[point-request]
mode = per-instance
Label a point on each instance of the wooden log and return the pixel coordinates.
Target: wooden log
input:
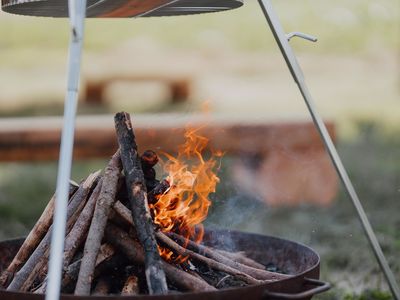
(70, 276)
(123, 212)
(76, 204)
(241, 258)
(105, 253)
(149, 159)
(131, 286)
(238, 273)
(33, 239)
(40, 270)
(160, 189)
(93, 242)
(233, 267)
(102, 287)
(72, 271)
(134, 252)
(186, 281)
(78, 233)
(208, 252)
(137, 193)
(178, 249)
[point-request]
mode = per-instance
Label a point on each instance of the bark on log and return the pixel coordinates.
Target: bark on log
(123, 212)
(93, 242)
(40, 270)
(131, 286)
(75, 237)
(78, 233)
(241, 258)
(208, 252)
(102, 287)
(134, 251)
(216, 260)
(160, 189)
(77, 202)
(149, 159)
(70, 276)
(33, 239)
(72, 271)
(135, 183)
(178, 249)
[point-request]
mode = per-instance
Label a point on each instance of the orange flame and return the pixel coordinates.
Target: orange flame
(192, 179)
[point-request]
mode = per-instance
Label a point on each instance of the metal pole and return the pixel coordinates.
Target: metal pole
(77, 11)
(298, 76)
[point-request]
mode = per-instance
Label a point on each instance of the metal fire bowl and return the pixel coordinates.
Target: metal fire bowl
(119, 8)
(298, 260)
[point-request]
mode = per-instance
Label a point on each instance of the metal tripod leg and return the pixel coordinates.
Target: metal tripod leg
(297, 74)
(77, 11)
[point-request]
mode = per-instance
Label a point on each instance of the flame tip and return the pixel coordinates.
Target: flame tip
(184, 206)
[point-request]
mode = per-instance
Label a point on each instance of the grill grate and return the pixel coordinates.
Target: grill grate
(119, 8)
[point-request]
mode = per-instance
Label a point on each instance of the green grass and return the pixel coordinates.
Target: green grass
(342, 25)
(25, 190)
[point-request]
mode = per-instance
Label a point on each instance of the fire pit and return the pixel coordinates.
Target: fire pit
(129, 233)
(295, 259)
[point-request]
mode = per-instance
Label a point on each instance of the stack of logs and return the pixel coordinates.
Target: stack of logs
(113, 249)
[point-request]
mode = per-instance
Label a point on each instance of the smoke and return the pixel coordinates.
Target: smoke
(232, 207)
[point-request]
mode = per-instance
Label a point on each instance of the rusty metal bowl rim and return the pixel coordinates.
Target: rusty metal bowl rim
(318, 286)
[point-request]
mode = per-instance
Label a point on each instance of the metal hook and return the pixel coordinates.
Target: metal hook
(302, 35)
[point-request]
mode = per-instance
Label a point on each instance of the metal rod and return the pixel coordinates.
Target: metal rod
(298, 76)
(302, 35)
(77, 11)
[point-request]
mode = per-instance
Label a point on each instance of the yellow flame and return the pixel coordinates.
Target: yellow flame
(192, 179)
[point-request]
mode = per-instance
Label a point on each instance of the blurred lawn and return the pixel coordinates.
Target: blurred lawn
(346, 26)
(353, 70)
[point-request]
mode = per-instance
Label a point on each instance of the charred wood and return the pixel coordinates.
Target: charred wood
(137, 192)
(208, 252)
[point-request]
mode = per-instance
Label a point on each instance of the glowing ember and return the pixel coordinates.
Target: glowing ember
(192, 179)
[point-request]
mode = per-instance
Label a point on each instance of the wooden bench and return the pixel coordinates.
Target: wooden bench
(281, 162)
(179, 87)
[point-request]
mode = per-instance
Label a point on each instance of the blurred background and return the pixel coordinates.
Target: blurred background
(229, 65)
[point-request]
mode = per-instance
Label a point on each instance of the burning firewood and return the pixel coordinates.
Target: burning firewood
(218, 257)
(207, 255)
(158, 190)
(240, 257)
(130, 233)
(134, 251)
(138, 198)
